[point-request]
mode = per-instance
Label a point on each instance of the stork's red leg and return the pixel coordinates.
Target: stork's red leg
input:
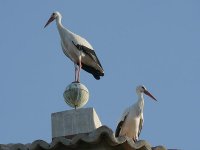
(75, 66)
(79, 70)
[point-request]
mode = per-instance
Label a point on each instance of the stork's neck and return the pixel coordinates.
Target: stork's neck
(62, 30)
(59, 25)
(58, 22)
(140, 99)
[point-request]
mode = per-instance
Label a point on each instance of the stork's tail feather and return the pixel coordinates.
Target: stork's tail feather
(96, 73)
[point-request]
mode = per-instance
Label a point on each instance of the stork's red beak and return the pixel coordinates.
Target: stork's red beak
(50, 20)
(149, 94)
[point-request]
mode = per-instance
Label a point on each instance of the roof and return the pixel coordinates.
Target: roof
(100, 139)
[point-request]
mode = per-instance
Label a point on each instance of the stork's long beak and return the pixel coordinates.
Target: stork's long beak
(50, 20)
(149, 94)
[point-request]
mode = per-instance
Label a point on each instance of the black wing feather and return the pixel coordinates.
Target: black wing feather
(96, 73)
(119, 126)
(118, 129)
(92, 54)
(89, 52)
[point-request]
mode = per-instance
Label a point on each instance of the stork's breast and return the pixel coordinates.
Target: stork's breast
(130, 128)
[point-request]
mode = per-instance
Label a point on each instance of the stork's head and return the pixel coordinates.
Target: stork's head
(54, 15)
(142, 89)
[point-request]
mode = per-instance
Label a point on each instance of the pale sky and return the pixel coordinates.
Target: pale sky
(155, 43)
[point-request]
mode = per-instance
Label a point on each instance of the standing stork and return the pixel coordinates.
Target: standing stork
(78, 50)
(132, 119)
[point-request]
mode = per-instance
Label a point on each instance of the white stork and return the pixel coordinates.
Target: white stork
(78, 50)
(131, 122)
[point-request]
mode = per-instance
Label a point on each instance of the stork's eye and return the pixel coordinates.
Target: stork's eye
(53, 14)
(143, 88)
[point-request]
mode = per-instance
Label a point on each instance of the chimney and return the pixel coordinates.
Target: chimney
(71, 122)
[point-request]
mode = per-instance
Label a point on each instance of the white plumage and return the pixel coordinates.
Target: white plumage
(132, 119)
(78, 49)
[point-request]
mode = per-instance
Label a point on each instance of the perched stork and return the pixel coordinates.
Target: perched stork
(78, 50)
(131, 122)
